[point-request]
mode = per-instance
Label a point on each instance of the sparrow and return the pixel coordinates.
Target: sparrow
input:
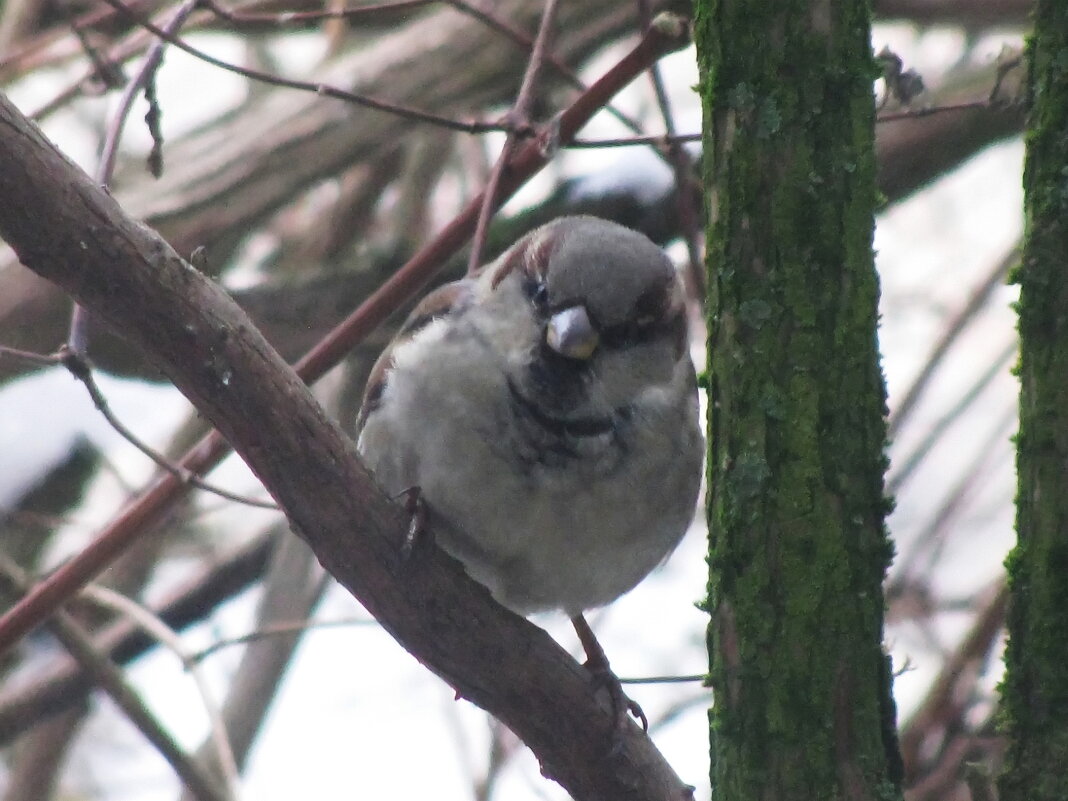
(544, 412)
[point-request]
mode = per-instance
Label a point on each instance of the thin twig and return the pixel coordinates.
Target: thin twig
(277, 630)
(519, 119)
(109, 73)
(80, 369)
(670, 139)
(683, 679)
(667, 34)
(110, 679)
(285, 18)
(88, 19)
(365, 101)
(149, 64)
(29, 356)
(658, 140)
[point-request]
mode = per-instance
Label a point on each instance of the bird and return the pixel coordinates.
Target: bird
(543, 413)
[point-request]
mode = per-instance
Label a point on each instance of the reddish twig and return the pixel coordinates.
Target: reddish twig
(667, 34)
(519, 119)
(63, 685)
(493, 22)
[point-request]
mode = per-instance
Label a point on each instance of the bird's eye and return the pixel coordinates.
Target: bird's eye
(538, 294)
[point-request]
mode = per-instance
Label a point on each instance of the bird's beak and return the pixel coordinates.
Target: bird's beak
(570, 333)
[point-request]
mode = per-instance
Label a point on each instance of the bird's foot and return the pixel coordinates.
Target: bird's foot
(623, 706)
(603, 677)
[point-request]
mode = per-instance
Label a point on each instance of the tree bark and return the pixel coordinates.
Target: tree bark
(1035, 688)
(797, 544)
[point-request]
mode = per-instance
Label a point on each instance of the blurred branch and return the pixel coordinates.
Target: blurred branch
(110, 679)
(284, 19)
(930, 542)
(227, 178)
(903, 468)
(65, 684)
(292, 587)
(223, 764)
(942, 712)
(956, 326)
(33, 766)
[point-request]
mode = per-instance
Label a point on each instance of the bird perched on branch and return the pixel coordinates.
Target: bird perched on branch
(544, 412)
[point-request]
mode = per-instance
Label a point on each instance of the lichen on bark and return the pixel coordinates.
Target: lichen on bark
(798, 548)
(1035, 688)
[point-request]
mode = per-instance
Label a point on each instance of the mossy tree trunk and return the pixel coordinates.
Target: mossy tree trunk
(798, 549)
(1035, 689)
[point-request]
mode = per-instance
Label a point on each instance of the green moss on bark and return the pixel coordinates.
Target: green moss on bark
(1035, 689)
(797, 548)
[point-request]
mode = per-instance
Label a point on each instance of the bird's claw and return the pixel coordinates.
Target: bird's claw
(415, 506)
